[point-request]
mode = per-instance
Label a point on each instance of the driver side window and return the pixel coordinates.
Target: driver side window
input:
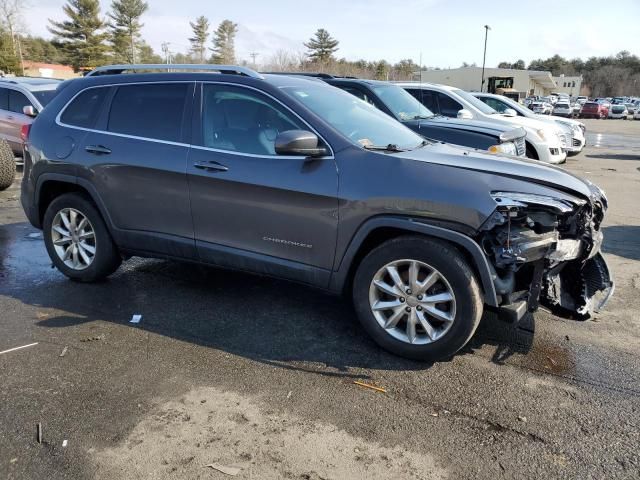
(497, 105)
(241, 120)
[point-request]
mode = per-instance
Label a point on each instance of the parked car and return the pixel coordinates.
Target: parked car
(631, 108)
(289, 177)
(544, 142)
(618, 110)
(582, 99)
(594, 110)
(396, 102)
(542, 108)
(573, 128)
(21, 99)
(563, 109)
(636, 115)
(575, 109)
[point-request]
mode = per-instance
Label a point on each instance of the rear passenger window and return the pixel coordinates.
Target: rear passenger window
(85, 108)
(425, 97)
(4, 99)
(17, 101)
(149, 111)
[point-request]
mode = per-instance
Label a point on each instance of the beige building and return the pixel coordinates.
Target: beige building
(525, 82)
(569, 85)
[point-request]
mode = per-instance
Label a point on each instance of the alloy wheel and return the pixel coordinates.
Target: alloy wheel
(412, 301)
(73, 238)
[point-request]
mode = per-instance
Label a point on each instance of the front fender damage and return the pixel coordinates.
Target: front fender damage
(547, 251)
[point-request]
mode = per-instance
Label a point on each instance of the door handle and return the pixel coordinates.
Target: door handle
(97, 149)
(211, 166)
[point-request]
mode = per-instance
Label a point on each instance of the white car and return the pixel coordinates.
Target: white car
(563, 109)
(636, 116)
(544, 140)
(542, 108)
(618, 111)
(575, 128)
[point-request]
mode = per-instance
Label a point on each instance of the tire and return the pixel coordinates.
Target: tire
(106, 258)
(455, 278)
(7, 165)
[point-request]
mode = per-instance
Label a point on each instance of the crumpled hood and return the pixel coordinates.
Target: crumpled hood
(515, 167)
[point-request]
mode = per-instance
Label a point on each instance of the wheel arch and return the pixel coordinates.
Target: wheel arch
(51, 185)
(380, 229)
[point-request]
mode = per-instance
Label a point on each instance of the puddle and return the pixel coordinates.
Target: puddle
(551, 358)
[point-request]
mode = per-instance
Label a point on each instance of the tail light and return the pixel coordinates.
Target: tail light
(24, 132)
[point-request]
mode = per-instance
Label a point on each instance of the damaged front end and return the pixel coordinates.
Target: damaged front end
(547, 250)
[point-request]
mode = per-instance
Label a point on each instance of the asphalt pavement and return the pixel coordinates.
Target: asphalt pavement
(228, 372)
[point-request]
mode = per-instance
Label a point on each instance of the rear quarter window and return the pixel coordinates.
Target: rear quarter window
(83, 111)
(149, 111)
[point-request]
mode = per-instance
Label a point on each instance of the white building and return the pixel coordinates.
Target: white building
(568, 85)
(525, 82)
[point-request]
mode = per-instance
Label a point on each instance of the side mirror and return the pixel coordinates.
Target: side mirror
(29, 111)
(510, 112)
(465, 114)
(298, 142)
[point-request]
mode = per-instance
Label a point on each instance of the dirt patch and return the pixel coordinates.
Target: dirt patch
(207, 426)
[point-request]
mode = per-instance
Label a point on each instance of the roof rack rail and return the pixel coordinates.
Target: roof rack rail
(7, 80)
(228, 69)
(304, 74)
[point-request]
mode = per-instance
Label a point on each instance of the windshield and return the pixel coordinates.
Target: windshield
(478, 104)
(356, 119)
(44, 96)
(401, 103)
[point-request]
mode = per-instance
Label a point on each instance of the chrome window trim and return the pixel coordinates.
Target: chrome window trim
(180, 144)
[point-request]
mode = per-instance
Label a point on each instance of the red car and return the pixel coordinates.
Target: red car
(594, 110)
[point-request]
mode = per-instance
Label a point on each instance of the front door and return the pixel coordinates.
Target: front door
(253, 209)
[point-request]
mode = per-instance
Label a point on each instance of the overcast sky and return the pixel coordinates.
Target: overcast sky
(446, 32)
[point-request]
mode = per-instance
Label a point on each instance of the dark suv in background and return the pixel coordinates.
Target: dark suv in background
(399, 104)
(293, 178)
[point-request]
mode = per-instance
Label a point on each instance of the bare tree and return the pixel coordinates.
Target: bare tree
(10, 18)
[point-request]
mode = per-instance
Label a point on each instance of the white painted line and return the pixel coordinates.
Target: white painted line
(135, 319)
(18, 348)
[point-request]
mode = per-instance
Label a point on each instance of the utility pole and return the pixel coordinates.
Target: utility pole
(253, 56)
(484, 57)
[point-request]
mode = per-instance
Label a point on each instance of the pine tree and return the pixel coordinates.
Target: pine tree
(322, 46)
(125, 28)
(82, 36)
(224, 43)
(200, 35)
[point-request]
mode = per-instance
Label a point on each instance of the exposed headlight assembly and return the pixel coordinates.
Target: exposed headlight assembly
(516, 199)
(507, 148)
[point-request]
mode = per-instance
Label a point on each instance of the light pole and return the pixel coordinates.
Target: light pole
(484, 57)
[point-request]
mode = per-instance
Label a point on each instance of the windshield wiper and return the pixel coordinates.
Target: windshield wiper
(389, 148)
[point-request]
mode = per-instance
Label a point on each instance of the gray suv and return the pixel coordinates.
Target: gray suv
(293, 178)
(21, 98)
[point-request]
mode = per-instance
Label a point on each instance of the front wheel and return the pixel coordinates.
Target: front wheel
(77, 239)
(7, 165)
(417, 298)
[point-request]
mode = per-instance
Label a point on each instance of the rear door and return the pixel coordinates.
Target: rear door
(5, 128)
(253, 209)
(136, 158)
(13, 118)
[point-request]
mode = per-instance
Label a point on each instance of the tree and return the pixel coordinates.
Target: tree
(147, 55)
(519, 65)
(322, 46)
(10, 13)
(125, 27)
(406, 69)
(8, 60)
(200, 35)
(224, 51)
(82, 35)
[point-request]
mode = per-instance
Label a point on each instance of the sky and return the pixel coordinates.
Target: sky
(445, 32)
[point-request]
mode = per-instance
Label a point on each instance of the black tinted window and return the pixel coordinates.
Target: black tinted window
(84, 110)
(448, 106)
(497, 105)
(425, 97)
(242, 120)
(358, 93)
(44, 96)
(150, 111)
(17, 101)
(4, 99)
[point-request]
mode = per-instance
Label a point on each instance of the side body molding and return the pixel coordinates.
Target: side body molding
(468, 245)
